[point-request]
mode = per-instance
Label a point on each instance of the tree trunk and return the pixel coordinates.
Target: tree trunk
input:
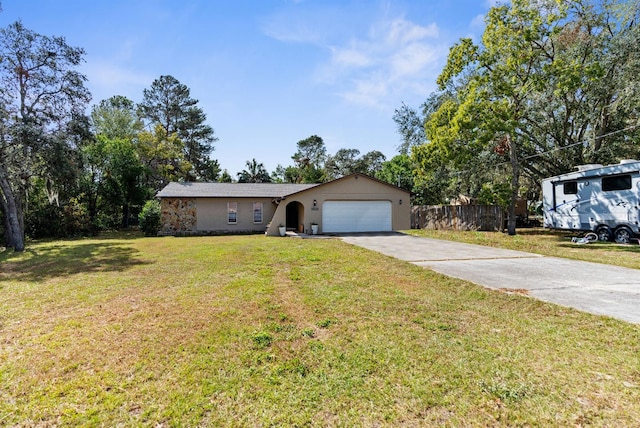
(515, 184)
(125, 216)
(8, 236)
(12, 213)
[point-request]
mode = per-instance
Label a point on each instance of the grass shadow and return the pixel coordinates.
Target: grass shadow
(55, 259)
(121, 234)
(540, 231)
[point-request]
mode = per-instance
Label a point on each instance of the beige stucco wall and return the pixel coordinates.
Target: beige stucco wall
(186, 216)
(350, 188)
(212, 215)
(209, 215)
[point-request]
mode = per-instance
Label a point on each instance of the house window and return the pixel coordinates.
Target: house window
(232, 212)
(616, 182)
(257, 212)
(570, 188)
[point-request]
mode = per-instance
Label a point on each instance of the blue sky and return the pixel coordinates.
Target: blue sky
(267, 73)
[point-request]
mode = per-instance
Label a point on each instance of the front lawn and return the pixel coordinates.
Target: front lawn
(257, 331)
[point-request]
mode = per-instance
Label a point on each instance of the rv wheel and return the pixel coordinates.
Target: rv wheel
(623, 235)
(604, 233)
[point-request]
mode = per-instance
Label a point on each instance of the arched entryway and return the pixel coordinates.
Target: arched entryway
(295, 216)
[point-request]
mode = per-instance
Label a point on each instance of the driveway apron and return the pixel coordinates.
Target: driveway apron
(590, 287)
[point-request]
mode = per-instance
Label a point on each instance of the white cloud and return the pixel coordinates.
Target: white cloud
(106, 74)
(350, 57)
(368, 91)
(106, 79)
(372, 67)
(478, 22)
(400, 31)
(493, 3)
(290, 29)
(381, 66)
(412, 59)
(295, 34)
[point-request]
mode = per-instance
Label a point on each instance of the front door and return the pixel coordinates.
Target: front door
(293, 215)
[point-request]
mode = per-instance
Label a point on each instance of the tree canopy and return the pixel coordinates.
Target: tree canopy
(550, 85)
(168, 103)
(42, 93)
(254, 173)
(546, 88)
(63, 172)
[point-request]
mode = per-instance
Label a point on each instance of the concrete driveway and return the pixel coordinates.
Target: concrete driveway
(591, 287)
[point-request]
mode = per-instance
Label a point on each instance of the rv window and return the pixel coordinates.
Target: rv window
(570, 188)
(617, 182)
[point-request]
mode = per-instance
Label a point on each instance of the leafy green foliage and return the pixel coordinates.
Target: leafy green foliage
(397, 171)
(313, 165)
(168, 104)
(255, 173)
(410, 125)
(541, 92)
(41, 94)
(116, 118)
(325, 323)
(311, 152)
(493, 96)
(342, 162)
(149, 218)
(48, 218)
(461, 55)
(261, 339)
(495, 194)
(309, 161)
(162, 156)
(225, 177)
(114, 177)
(349, 161)
(101, 169)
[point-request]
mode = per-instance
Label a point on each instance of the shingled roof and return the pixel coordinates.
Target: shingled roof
(231, 190)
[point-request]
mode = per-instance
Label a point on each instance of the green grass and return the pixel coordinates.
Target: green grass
(545, 242)
(257, 331)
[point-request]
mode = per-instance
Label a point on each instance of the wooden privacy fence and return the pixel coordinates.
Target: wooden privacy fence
(457, 217)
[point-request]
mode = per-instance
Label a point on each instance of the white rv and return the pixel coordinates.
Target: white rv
(601, 199)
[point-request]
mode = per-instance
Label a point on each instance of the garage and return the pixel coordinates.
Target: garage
(356, 216)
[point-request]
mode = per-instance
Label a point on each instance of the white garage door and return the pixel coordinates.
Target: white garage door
(356, 216)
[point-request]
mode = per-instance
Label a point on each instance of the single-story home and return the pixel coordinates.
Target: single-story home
(353, 203)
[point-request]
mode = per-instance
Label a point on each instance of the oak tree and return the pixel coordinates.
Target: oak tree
(41, 93)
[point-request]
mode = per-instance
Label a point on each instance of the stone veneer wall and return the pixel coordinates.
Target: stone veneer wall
(178, 216)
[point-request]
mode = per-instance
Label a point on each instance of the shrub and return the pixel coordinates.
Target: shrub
(149, 218)
(46, 220)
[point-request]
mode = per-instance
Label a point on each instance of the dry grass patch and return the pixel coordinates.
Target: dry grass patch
(256, 331)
